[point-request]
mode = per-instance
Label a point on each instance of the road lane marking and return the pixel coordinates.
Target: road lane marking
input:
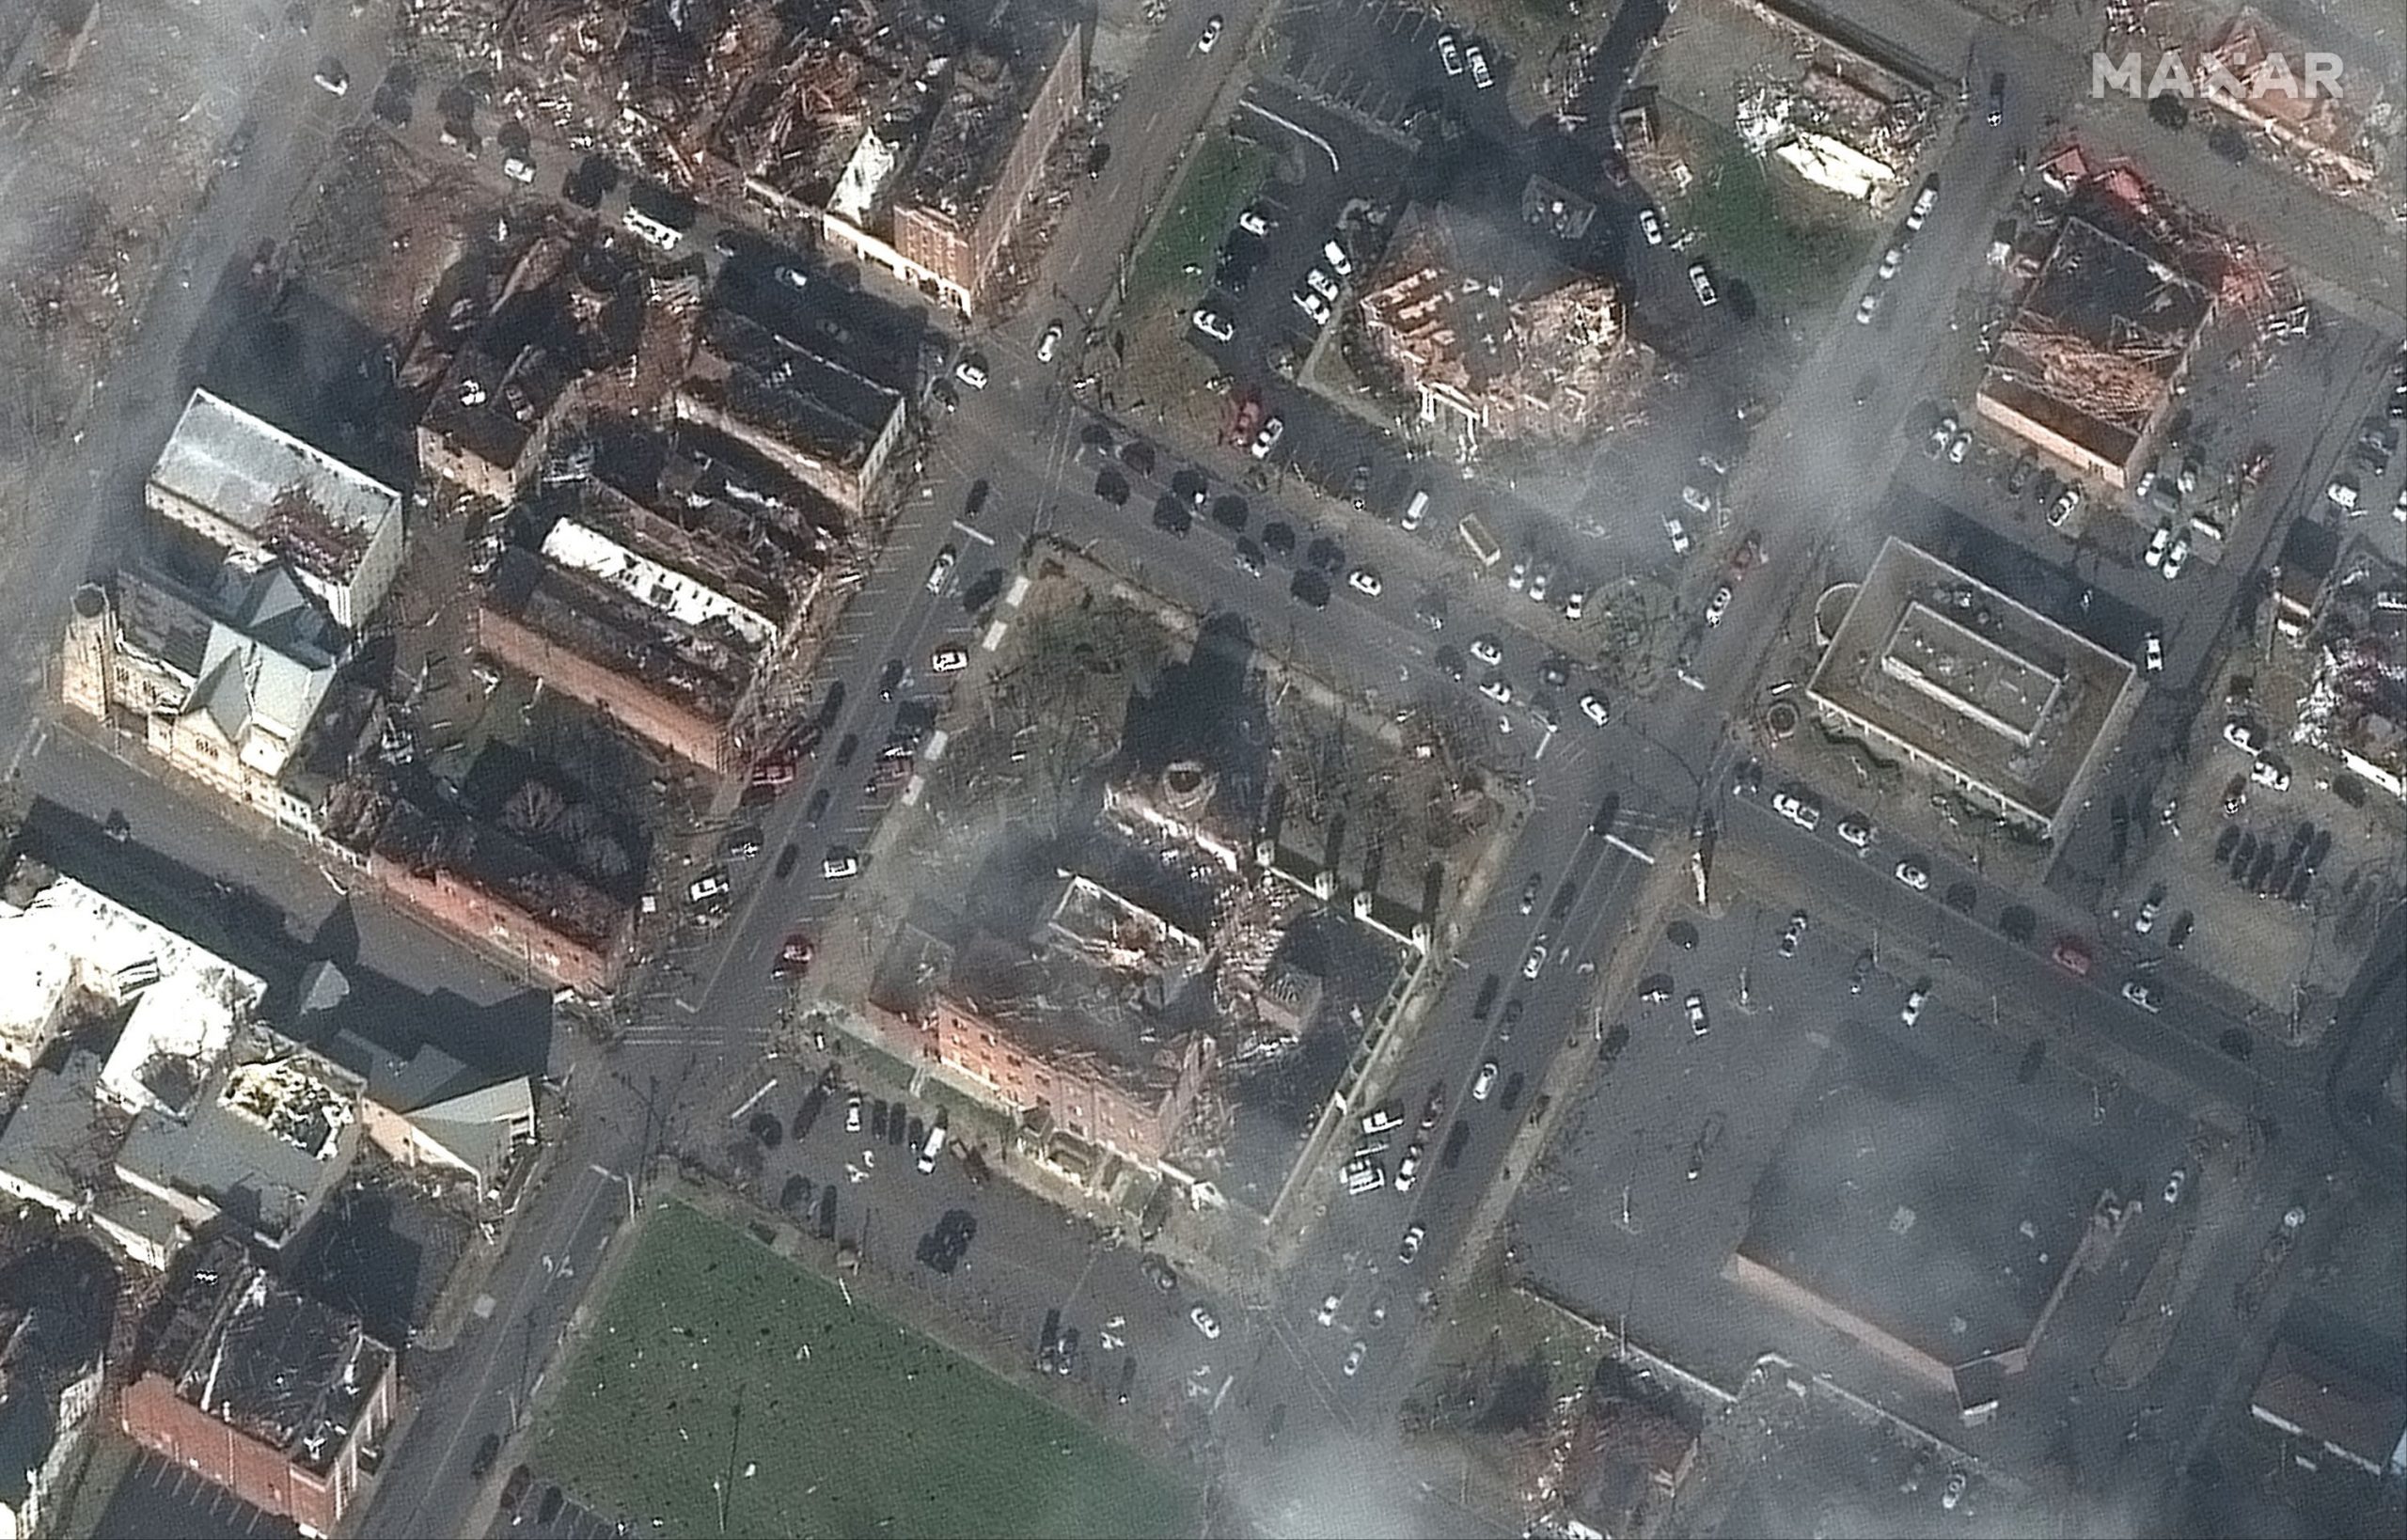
(993, 640)
(936, 742)
(1019, 587)
(911, 789)
(979, 535)
(1628, 849)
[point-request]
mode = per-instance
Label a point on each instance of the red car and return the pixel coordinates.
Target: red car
(2072, 956)
(793, 958)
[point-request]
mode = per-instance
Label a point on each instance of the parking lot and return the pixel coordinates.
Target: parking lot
(1383, 62)
(1597, 1225)
(159, 1499)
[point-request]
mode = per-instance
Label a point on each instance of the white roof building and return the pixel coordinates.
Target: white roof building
(70, 941)
(247, 486)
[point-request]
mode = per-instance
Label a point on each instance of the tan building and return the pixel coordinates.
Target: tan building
(254, 491)
(2258, 74)
(1927, 663)
(223, 686)
(1496, 341)
(984, 156)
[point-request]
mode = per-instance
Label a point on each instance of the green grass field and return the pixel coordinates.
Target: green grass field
(1795, 252)
(1220, 180)
(697, 1372)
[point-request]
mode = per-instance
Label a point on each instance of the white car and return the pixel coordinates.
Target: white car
(1327, 1315)
(1913, 876)
(841, 863)
(1960, 447)
(1793, 934)
(1701, 282)
(1912, 1011)
(1698, 1024)
(1213, 325)
(1211, 35)
(2177, 556)
(1892, 259)
(1486, 649)
(1575, 604)
(1484, 1082)
(1353, 1364)
(1698, 502)
(1650, 225)
(332, 78)
(708, 888)
(948, 660)
(852, 1113)
(1255, 223)
(1267, 439)
(972, 373)
(1478, 62)
(1856, 832)
(1322, 284)
(1592, 705)
(2157, 545)
(1925, 201)
(1803, 812)
(2175, 1184)
(2244, 736)
(2343, 494)
(1364, 581)
(1534, 962)
(1538, 581)
(2271, 773)
(1409, 1248)
(1952, 1493)
(2068, 503)
(518, 169)
(1314, 306)
(1408, 1169)
(2398, 508)
(2153, 652)
(1205, 1322)
(1866, 305)
(1496, 689)
(1518, 576)
(1339, 263)
(2142, 995)
(1450, 54)
(1718, 606)
(941, 569)
(792, 278)
(1678, 532)
(1049, 342)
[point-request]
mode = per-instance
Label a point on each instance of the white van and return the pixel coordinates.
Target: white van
(1414, 511)
(932, 1148)
(652, 230)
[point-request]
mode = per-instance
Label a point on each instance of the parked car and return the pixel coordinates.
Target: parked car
(1701, 282)
(1913, 876)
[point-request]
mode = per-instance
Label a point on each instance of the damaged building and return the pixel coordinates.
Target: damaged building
(55, 1303)
(267, 1393)
(2354, 706)
(248, 488)
(230, 685)
(2256, 71)
(660, 585)
(543, 886)
(817, 384)
(1496, 341)
(1091, 1034)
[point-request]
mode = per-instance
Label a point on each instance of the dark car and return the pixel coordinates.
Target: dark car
(787, 857)
(1450, 662)
(514, 1490)
(1486, 1001)
(488, 1451)
(846, 747)
(889, 679)
(1511, 1095)
(1098, 156)
(813, 810)
(1451, 1155)
(975, 503)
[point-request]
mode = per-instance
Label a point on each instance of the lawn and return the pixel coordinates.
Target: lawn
(1220, 180)
(716, 1362)
(1761, 228)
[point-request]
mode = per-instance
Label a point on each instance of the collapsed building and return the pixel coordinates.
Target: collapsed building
(269, 1393)
(251, 489)
(2258, 74)
(2355, 707)
(1495, 340)
(907, 136)
(2089, 362)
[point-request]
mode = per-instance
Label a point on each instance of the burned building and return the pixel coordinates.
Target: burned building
(491, 416)
(818, 384)
(659, 588)
(1495, 340)
(252, 490)
(259, 1389)
(529, 892)
(982, 158)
